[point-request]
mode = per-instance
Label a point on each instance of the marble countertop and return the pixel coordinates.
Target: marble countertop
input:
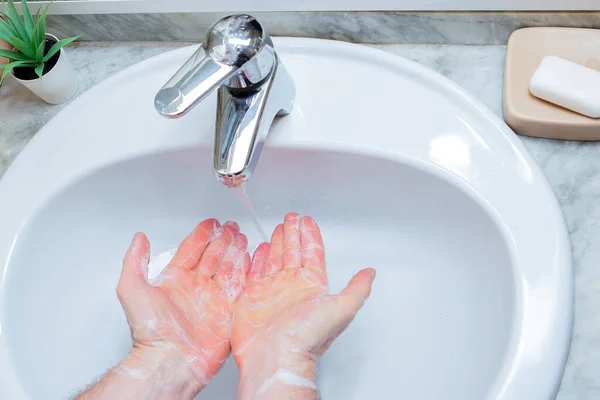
(573, 169)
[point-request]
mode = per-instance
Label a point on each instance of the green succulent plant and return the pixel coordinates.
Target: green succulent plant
(27, 36)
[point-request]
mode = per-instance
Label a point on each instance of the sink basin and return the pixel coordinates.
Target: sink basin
(404, 171)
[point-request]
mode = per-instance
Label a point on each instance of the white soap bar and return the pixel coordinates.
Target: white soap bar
(568, 84)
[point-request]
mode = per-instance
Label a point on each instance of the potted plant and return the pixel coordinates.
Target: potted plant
(36, 59)
(4, 46)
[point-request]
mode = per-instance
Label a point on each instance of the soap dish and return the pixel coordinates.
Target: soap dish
(525, 113)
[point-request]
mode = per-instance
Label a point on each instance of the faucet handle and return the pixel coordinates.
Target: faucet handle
(237, 53)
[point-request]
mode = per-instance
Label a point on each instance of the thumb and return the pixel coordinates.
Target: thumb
(345, 306)
(358, 290)
(135, 266)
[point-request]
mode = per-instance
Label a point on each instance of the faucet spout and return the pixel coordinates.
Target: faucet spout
(243, 124)
(238, 60)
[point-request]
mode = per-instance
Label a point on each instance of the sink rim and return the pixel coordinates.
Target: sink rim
(554, 356)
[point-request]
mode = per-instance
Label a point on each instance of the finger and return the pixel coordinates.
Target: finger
(274, 262)
(239, 278)
(211, 259)
(358, 290)
(292, 256)
(232, 258)
(135, 266)
(340, 312)
(190, 250)
(313, 251)
(259, 262)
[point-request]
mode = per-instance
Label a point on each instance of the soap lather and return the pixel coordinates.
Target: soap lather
(567, 84)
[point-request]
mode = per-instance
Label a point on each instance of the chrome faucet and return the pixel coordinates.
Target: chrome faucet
(238, 60)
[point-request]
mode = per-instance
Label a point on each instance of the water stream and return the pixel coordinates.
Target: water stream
(247, 204)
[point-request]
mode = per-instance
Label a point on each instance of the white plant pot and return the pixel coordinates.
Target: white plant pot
(57, 85)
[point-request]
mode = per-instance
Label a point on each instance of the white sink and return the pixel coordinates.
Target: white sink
(405, 172)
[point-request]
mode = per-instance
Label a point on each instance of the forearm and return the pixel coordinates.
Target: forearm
(286, 379)
(145, 376)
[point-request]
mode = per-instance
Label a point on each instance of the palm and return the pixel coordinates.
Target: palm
(177, 310)
(188, 310)
(273, 304)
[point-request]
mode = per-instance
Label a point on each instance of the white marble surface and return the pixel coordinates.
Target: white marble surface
(358, 27)
(572, 168)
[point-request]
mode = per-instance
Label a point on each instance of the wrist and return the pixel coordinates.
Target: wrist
(284, 376)
(164, 374)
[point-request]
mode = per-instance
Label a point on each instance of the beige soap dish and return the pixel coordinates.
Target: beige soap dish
(527, 114)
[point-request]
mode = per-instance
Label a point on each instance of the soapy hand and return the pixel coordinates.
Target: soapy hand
(186, 314)
(285, 318)
(179, 323)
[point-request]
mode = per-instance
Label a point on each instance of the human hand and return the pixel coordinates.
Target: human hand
(285, 318)
(180, 323)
